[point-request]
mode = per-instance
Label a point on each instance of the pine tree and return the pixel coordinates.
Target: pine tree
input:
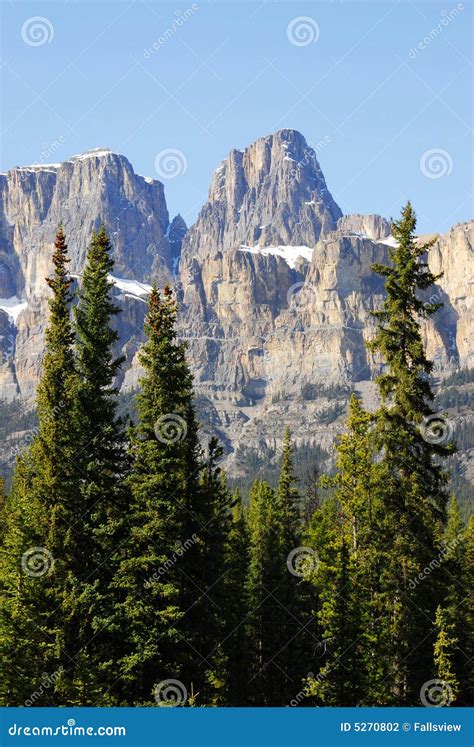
(452, 619)
(41, 565)
(165, 580)
(347, 581)
(103, 460)
(444, 648)
(467, 692)
(277, 626)
(412, 478)
(215, 515)
(235, 643)
(259, 587)
(289, 632)
(340, 681)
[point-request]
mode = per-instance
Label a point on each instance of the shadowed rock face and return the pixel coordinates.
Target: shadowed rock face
(274, 284)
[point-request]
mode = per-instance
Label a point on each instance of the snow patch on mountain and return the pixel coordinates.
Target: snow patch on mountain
(131, 287)
(13, 306)
(289, 253)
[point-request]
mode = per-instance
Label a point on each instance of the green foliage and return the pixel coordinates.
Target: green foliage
(412, 481)
(351, 589)
(167, 614)
(103, 461)
(40, 623)
(453, 646)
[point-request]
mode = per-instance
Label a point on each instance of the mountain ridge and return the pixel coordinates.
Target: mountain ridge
(275, 294)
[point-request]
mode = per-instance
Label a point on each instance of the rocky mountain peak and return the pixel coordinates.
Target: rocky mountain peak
(271, 194)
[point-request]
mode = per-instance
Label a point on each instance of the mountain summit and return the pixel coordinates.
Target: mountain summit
(272, 193)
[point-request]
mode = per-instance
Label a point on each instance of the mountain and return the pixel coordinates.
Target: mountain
(274, 285)
(93, 188)
(273, 193)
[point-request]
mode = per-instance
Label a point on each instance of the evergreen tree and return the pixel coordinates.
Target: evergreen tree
(340, 681)
(103, 461)
(452, 645)
(348, 578)
(165, 580)
(259, 587)
(444, 648)
(467, 692)
(235, 643)
(289, 632)
(412, 478)
(41, 564)
(215, 515)
(277, 624)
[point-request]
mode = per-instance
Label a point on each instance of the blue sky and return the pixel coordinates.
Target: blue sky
(391, 120)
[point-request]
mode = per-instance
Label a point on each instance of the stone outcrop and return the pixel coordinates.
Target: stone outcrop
(87, 190)
(273, 193)
(274, 284)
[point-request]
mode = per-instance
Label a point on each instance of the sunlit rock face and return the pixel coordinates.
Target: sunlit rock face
(274, 284)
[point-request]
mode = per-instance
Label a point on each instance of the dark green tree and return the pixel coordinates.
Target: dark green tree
(235, 643)
(259, 588)
(103, 464)
(215, 516)
(340, 681)
(42, 565)
(347, 580)
(277, 569)
(411, 445)
(452, 659)
(166, 581)
(444, 651)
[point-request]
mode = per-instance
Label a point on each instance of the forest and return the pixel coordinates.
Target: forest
(132, 574)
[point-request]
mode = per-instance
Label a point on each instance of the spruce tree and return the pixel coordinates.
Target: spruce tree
(235, 642)
(452, 657)
(413, 481)
(215, 516)
(467, 692)
(340, 681)
(103, 461)
(277, 626)
(444, 650)
(347, 580)
(41, 563)
(166, 581)
(259, 587)
(289, 634)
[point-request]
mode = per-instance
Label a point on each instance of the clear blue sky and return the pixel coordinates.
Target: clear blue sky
(229, 74)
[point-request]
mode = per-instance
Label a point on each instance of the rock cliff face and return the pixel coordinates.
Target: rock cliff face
(87, 190)
(271, 194)
(274, 284)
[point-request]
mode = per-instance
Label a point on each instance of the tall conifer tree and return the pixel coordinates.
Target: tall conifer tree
(413, 480)
(167, 578)
(103, 462)
(42, 565)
